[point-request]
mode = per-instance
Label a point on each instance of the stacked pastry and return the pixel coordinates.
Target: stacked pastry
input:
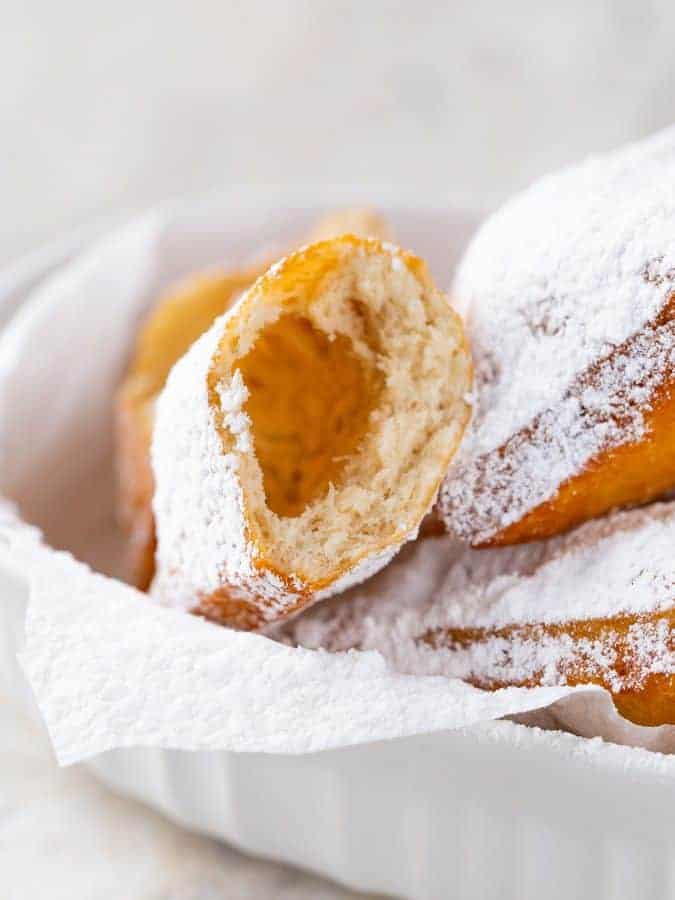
(302, 439)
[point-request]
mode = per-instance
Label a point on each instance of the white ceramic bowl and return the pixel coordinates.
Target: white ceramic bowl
(501, 810)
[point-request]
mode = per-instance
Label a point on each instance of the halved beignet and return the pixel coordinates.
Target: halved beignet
(300, 442)
(178, 319)
(570, 310)
(594, 607)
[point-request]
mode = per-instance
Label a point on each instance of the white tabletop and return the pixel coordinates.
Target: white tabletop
(109, 108)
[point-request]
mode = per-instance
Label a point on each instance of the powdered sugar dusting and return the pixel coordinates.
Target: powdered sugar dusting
(574, 271)
(198, 502)
(616, 567)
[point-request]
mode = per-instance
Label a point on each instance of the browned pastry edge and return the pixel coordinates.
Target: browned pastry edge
(645, 698)
(628, 475)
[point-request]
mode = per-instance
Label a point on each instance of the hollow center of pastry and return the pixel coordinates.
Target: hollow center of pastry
(310, 401)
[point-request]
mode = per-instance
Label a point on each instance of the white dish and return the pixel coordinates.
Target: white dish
(499, 810)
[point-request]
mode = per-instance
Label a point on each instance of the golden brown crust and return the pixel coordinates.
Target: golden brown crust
(133, 429)
(628, 475)
(642, 696)
(240, 611)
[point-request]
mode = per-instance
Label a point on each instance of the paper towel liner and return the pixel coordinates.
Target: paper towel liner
(107, 667)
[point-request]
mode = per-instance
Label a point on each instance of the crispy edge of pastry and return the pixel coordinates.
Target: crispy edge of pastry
(630, 474)
(642, 696)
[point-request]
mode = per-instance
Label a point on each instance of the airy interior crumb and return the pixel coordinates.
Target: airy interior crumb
(351, 408)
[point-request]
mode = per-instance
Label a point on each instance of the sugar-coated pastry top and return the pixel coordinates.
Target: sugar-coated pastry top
(559, 278)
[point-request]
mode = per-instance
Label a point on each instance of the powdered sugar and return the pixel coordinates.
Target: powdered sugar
(619, 566)
(572, 272)
(195, 484)
(232, 399)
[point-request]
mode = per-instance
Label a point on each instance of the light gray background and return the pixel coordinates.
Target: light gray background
(106, 108)
(114, 106)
